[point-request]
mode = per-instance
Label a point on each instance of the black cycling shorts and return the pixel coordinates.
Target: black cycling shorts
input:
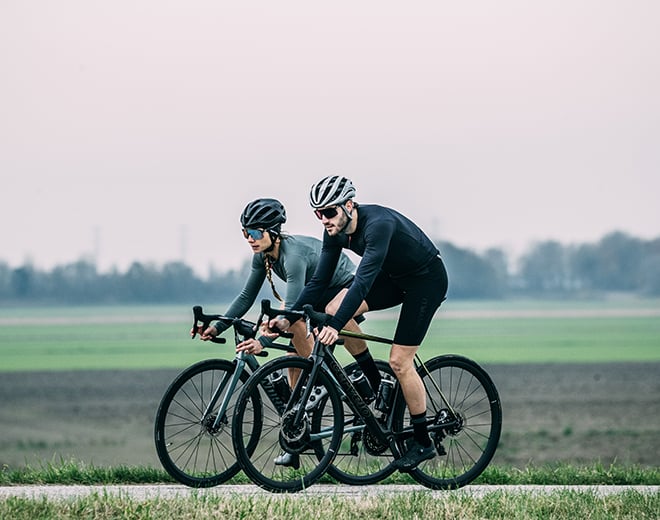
(420, 295)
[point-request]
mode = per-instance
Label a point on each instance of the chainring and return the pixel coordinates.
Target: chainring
(372, 444)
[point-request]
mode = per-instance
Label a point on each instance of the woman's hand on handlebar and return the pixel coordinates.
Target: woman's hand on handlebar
(250, 346)
(205, 335)
(274, 327)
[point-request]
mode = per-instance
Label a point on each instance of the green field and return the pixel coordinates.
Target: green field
(578, 382)
(489, 332)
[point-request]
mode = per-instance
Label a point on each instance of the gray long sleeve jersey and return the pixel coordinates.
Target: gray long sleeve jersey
(298, 258)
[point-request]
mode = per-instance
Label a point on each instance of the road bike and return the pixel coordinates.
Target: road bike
(192, 430)
(327, 421)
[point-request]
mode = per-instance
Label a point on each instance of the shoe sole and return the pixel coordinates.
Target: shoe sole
(409, 468)
(289, 464)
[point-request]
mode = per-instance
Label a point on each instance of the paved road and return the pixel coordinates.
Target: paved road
(141, 492)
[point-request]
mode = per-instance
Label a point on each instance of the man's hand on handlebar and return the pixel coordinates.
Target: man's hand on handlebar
(328, 335)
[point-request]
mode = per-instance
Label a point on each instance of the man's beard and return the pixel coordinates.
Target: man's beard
(341, 226)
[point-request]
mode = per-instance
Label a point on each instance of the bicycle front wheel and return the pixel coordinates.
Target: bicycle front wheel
(465, 442)
(292, 451)
(193, 439)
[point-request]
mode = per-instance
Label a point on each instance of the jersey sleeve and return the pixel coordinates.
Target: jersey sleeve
(245, 299)
(313, 291)
(377, 243)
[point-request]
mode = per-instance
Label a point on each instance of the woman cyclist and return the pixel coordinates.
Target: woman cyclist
(293, 259)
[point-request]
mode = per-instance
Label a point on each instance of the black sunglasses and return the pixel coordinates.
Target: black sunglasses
(326, 212)
(256, 234)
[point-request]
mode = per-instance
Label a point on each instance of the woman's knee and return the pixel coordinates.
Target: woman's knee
(298, 328)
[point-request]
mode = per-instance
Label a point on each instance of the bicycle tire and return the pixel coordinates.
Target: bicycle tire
(190, 449)
(356, 464)
(314, 455)
(471, 444)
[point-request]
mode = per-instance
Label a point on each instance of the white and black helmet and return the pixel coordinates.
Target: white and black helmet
(264, 213)
(333, 190)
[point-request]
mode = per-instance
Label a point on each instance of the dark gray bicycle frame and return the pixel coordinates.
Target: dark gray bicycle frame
(334, 370)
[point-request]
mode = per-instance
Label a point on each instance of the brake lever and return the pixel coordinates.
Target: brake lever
(270, 313)
(281, 333)
(315, 318)
(197, 311)
(205, 319)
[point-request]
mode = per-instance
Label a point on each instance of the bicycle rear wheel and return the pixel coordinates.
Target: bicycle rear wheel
(360, 461)
(313, 441)
(196, 449)
(466, 444)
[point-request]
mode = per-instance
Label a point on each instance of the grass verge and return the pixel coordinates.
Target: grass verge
(73, 472)
(415, 505)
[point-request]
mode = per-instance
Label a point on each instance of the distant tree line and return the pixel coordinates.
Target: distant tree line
(618, 262)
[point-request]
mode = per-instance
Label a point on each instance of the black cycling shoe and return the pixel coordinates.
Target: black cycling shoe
(291, 460)
(416, 453)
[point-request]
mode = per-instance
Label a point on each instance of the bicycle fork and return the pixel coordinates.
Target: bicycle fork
(228, 383)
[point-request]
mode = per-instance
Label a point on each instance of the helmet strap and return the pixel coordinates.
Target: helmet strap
(349, 215)
(274, 235)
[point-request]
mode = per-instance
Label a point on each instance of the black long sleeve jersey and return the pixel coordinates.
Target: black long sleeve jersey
(386, 240)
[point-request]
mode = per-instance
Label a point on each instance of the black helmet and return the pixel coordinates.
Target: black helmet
(263, 213)
(331, 191)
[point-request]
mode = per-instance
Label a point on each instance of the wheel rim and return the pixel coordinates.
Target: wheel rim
(197, 450)
(313, 447)
(464, 443)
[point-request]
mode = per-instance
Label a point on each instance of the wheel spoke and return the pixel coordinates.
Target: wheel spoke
(194, 449)
(465, 430)
(257, 446)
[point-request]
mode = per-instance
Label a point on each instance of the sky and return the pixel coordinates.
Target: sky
(137, 130)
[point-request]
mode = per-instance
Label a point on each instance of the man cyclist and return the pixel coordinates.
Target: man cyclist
(399, 265)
